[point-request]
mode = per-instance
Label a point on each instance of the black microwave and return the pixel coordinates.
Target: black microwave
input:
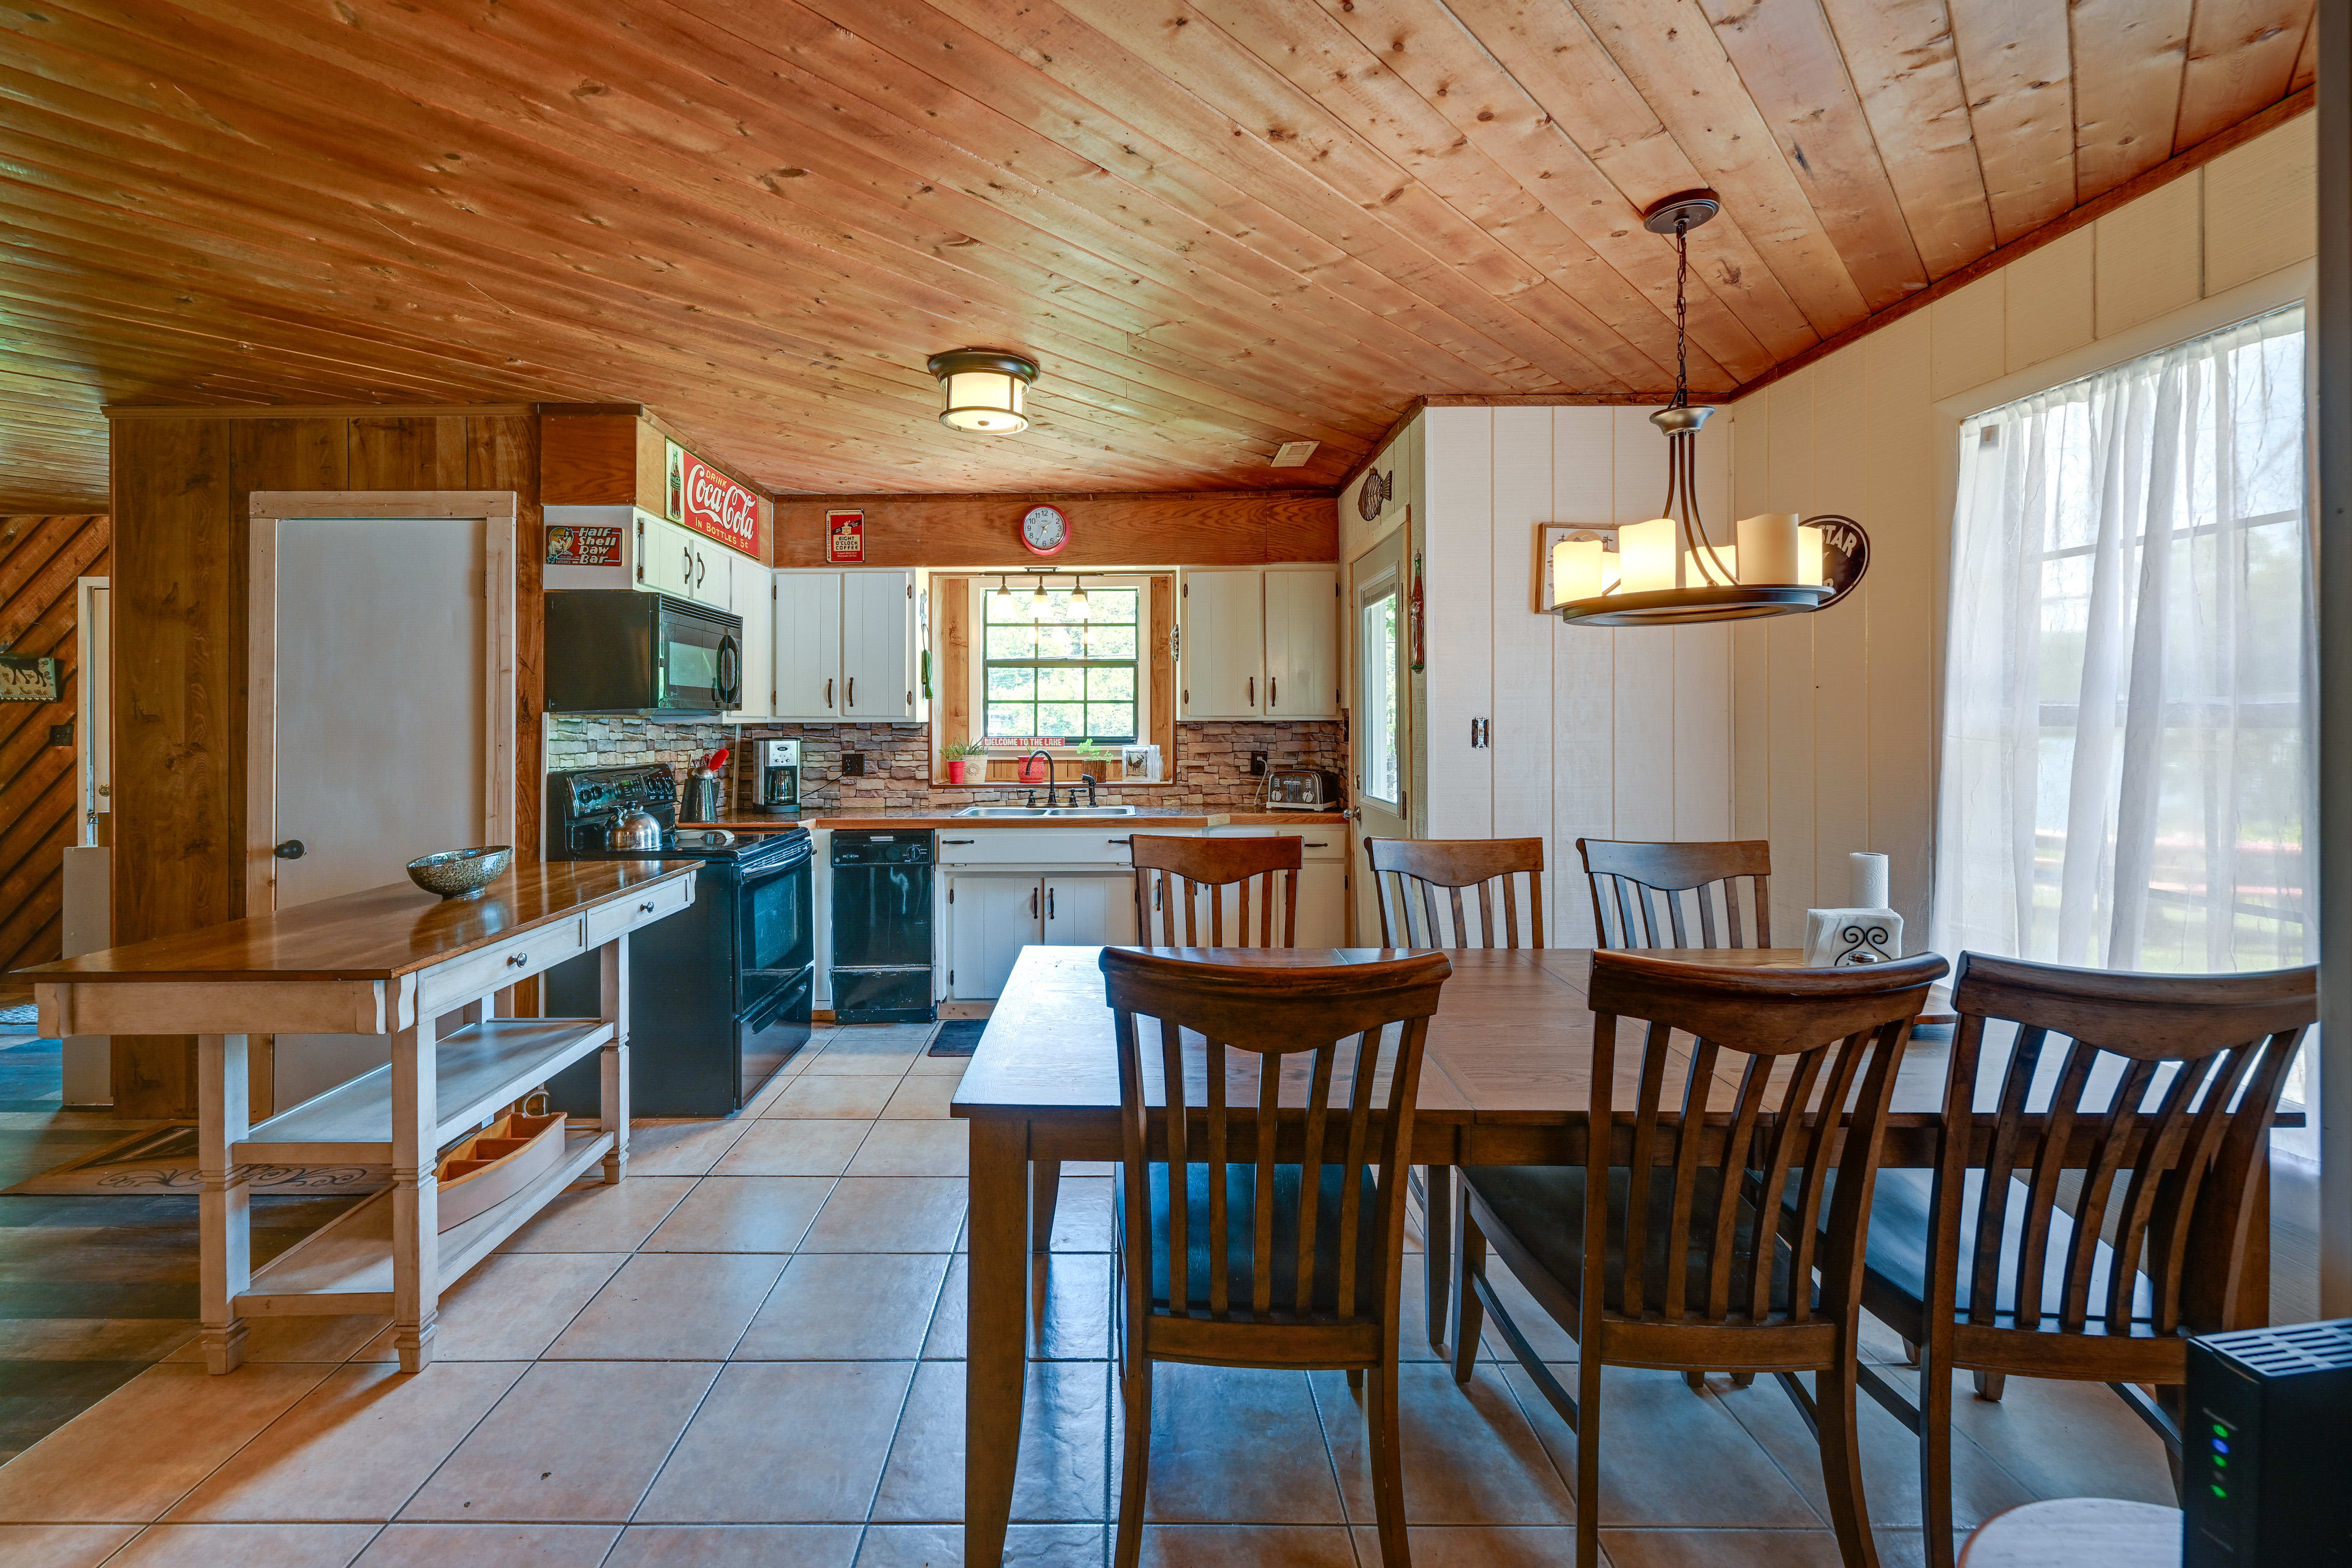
(617, 650)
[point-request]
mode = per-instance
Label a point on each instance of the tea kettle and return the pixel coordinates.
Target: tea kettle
(634, 828)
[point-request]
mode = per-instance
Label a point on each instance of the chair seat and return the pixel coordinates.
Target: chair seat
(1542, 1207)
(1241, 1201)
(1897, 1262)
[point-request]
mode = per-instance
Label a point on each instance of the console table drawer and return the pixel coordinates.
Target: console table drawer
(495, 968)
(643, 908)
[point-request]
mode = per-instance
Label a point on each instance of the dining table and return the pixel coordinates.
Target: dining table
(1505, 1080)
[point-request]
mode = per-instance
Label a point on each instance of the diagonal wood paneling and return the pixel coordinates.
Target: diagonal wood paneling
(1219, 225)
(40, 556)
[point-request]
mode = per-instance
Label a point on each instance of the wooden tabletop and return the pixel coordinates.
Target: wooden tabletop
(2077, 1532)
(377, 934)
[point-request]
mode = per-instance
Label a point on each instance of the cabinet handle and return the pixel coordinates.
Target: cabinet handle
(1128, 842)
(1314, 844)
(1273, 691)
(1049, 903)
(1253, 691)
(828, 693)
(1033, 904)
(958, 841)
(685, 554)
(849, 693)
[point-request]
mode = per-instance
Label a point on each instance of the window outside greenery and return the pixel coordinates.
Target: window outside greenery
(1059, 678)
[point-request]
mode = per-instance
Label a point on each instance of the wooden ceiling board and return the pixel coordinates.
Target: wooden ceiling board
(1219, 225)
(2306, 59)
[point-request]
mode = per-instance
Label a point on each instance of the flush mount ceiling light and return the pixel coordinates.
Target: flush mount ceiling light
(1668, 571)
(982, 390)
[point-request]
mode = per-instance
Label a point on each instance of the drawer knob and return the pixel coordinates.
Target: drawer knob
(646, 908)
(517, 960)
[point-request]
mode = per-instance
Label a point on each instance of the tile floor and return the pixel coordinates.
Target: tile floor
(750, 1354)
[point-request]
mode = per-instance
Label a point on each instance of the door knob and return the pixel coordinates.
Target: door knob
(290, 850)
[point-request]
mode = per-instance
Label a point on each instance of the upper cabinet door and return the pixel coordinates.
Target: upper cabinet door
(879, 658)
(714, 574)
(754, 601)
(808, 647)
(665, 557)
(1302, 642)
(1223, 643)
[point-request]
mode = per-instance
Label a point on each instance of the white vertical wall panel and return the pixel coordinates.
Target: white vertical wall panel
(2261, 205)
(1520, 639)
(1789, 477)
(1907, 533)
(1969, 329)
(1643, 730)
(2049, 301)
(1749, 424)
(1703, 671)
(2149, 256)
(1583, 678)
(1842, 667)
(1458, 596)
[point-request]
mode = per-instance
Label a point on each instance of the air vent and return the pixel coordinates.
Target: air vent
(1294, 454)
(2298, 1347)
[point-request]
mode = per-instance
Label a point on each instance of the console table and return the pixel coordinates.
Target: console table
(437, 977)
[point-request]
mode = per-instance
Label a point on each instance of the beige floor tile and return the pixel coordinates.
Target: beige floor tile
(61, 1545)
(847, 1306)
(946, 1339)
(322, 1339)
(779, 1148)
(1890, 1458)
(941, 1546)
(810, 1096)
(1063, 1433)
(512, 1305)
(246, 1546)
(870, 1049)
(1538, 1326)
(1083, 1221)
(92, 1339)
(862, 1063)
(1233, 1445)
(890, 1214)
(929, 1066)
(1720, 1548)
(598, 1218)
(1470, 1457)
(784, 1443)
(1248, 1546)
(682, 1148)
(571, 1443)
(1077, 1318)
(735, 1546)
(355, 1447)
(2063, 1440)
(490, 1546)
(680, 1306)
(1655, 1434)
(920, 1097)
(137, 1451)
(913, 1149)
(742, 1213)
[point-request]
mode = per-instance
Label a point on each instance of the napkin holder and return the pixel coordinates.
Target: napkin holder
(1841, 939)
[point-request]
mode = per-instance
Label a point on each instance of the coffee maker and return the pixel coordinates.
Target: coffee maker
(776, 786)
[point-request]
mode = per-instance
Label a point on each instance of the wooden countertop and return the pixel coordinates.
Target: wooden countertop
(377, 934)
(757, 822)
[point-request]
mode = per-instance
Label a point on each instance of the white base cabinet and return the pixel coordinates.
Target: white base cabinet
(992, 915)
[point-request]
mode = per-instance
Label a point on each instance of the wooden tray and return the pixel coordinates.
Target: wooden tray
(497, 1163)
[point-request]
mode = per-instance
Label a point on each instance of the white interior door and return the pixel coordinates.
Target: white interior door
(1379, 699)
(380, 722)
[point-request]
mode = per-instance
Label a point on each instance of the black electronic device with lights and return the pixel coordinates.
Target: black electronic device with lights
(2266, 1448)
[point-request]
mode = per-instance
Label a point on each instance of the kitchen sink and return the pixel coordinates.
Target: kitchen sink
(1047, 811)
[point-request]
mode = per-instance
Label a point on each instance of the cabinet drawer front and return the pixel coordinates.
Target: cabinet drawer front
(1324, 841)
(494, 968)
(608, 920)
(1105, 845)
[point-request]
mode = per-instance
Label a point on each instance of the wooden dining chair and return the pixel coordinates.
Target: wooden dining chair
(1658, 895)
(1265, 1117)
(2156, 1089)
(1409, 873)
(1173, 873)
(1668, 1246)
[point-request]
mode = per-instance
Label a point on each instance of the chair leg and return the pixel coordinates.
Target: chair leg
(1588, 1458)
(1911, 1351)
(1696, 1380)
(1469, 1312)
(1834, 1412)
(1437, 1207)
(1742, 1379)
(1383, 1424)
(1355, 1379)
(1936, 1457)
(1135, 1463)
(1992, 1385)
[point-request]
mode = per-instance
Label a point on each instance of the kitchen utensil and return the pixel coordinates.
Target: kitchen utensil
(1301, 789)
(703, 797)
(460, 873)
(635, 828)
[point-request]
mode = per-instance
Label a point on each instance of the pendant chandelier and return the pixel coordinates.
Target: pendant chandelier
(1669, 573)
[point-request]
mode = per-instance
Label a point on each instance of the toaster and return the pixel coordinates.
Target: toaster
(1301, 789)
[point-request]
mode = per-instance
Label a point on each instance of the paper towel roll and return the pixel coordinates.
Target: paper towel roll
(1869, 879)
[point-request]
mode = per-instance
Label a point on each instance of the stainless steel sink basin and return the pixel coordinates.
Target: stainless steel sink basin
(1047, 811)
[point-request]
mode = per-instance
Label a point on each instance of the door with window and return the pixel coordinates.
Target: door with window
(1380, 729)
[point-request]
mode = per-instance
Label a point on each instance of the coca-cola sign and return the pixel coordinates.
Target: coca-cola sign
(710, 503)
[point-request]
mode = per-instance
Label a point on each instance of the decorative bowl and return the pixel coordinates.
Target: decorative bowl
(460, 873)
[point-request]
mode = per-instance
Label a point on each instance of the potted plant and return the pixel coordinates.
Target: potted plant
(957, 753)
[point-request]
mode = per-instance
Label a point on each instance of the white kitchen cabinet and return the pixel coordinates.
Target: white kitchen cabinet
(1323, 903)
(1089, 912)
(1222, 642)
(755, 602)
(807, 646)
(991, 918)
(1302, 642)
(883, 644)
(655, 556)
(665, 557)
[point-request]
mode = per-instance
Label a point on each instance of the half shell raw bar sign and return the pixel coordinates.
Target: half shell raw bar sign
(25, 678)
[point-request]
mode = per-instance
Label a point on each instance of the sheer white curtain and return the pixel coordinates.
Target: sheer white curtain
(2128, 722)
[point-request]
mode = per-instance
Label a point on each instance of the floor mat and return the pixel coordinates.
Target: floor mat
(958, 1037)
(160, 1160)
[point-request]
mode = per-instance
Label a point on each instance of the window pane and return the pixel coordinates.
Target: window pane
(1060, 718)
(1066, 683)
(1113, 604)
(1378, 637)
(1110, 683)
(1110, 642)
(1060, 642)
(1111, 721)
(1012, 642)
(1003, 685)
(1011, 719)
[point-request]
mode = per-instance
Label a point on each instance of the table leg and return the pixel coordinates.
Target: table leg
(613, 1101)
(1044, 1191)
(415, 1207)
(225, 1229)
(997, 1348)
(1437, 1247)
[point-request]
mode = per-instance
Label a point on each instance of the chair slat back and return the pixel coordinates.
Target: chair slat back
(2161, 1088)
(1174, 875)
(1297, 1032)
(1664, 895)
(1798, 1049)
(1409, 875)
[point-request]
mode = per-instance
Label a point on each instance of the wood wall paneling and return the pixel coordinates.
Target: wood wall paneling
(1206, 529)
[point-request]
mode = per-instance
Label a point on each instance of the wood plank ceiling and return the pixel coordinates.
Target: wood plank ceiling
(1219, 225)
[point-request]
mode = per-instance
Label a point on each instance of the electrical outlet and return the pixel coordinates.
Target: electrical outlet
(853, 764)
(1257, 765)
(61, 734)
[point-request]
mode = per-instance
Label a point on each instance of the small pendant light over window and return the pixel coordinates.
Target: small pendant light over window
(1039, 602)
(1004, 596)
(983, 390)
(1078, 611)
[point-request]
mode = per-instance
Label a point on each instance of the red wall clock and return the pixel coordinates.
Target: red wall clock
(1045, 531)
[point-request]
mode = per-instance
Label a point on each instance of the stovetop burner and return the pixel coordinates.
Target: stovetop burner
(583, 804)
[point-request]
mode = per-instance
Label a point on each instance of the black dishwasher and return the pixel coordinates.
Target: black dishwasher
(882, 927)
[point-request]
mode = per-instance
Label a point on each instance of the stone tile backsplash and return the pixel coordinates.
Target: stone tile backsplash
(1211, 769)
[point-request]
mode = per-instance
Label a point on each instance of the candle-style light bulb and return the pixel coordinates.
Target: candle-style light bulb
(1646, 555)
(1575, 570)
(1079, 610)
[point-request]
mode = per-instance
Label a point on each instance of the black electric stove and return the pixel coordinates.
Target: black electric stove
(720, 992)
